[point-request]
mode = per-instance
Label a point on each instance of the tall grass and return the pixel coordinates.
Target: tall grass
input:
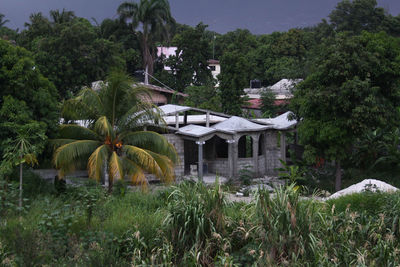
(192, 224)
(196, 222)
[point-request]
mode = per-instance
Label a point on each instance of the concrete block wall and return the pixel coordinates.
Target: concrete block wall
(219, 166)
(261, 165)
(273, 162)
(178, 143)
(272, 153)
(243, 162)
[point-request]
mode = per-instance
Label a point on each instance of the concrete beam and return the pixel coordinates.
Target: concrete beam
(230, 157)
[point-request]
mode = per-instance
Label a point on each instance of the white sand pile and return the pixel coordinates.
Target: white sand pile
(366, 185)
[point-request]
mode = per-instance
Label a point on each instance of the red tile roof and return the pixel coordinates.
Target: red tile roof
(213, 61)
(256, 103)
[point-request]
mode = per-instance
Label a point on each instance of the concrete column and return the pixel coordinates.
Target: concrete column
(266, 152)
(185, 118)
(208, 119)
(200, 160)
(230, 158)
(283, 146)
(235, 154)
(177, 120)
(255, 155)
(146, 75)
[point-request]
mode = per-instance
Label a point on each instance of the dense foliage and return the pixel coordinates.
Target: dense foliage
(69, 51)
(347, 95)
(27, 99)
(347, 104)
(192, 224)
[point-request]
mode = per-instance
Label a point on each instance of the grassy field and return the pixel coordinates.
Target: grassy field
(194, 225)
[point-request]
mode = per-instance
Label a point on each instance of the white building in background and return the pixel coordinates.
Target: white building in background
(166, 52)
(215, 68)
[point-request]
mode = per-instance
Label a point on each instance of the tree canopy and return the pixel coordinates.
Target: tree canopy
(25, 94)
(354, 87)
(68, 50)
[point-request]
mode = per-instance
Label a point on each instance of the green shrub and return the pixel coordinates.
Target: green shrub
(370, 203)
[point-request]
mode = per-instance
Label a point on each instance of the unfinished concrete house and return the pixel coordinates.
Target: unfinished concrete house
(213, 143)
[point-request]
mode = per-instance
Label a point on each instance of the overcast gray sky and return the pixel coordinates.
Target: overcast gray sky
(259, 16)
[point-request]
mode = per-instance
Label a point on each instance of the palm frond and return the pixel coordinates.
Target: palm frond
(87, 105)
(68, 156)
(143, 159)
(56, 143)
(151, 141)
(103, 127)
(140, 114)
(96, 162)
(116, 95)
(115, 167)
(73, 131)
(135, 172)
(166, 165)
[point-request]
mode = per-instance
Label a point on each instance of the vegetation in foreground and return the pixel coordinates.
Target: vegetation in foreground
(191, 224)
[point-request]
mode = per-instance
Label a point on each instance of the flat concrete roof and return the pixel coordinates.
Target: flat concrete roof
(222, 122)
(238, 124)
(196, 119)
(195, 130)
(170, 109)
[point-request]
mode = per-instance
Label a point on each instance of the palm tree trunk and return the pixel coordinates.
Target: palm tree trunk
(338, 181)
(106, 177)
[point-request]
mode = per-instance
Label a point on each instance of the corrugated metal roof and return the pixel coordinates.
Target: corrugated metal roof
(195, 130)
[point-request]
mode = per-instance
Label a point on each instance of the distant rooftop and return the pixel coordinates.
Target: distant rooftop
(213, 61)
(97, 86)
(282, 88)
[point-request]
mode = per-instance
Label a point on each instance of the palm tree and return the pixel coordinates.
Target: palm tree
(60, 17)
(113, 144)
(2, 20)
(153, 18)
(24, 147)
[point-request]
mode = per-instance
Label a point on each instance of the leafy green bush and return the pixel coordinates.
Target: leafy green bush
(370, 203)
(8, 198)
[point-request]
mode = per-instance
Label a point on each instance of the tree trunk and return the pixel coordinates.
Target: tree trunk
(20, 185)
(338, 182)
